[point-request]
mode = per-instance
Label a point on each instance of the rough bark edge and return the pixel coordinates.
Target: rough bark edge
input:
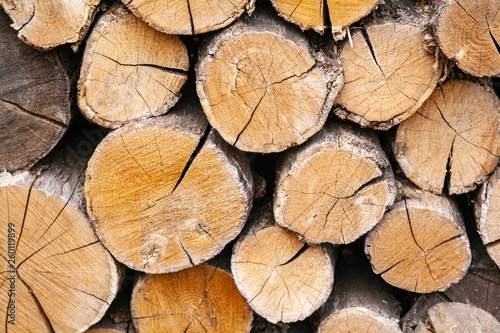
(116, 12)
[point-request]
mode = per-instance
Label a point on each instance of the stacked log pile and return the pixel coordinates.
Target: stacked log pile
(242, 166)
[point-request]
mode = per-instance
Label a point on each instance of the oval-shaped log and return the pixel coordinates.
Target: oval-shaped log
(47, 24)
(198, 299)
(55, 274)
(420, 245)
(389, 72)
(487, 211)
(188, 17)
(360, 301)
(453, 135)
(130, 71)
(467, 32)
(35, 108)
(282, 278)
(262, 87)
(335, 187)
(311, 14)
(458, 317)
(167, 193)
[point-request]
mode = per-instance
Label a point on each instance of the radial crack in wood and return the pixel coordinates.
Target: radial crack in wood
(456, 132)
(162, 198)
(261, 86)
(199, 299)
(130, 71)
(413, 254)
(388, 75)
(187, 17)
(46, 24)
(335, 187)
(468, 32)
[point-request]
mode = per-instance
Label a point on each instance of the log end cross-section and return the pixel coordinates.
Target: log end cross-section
(130, 70)
(335, 187)
(47, 24)
(262, 88)
(166, 194)
(452, 141)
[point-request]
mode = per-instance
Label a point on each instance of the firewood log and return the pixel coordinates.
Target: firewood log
(46, 24)
(458, 317)
(55, 275)
(202, 298)
(452, 142)
(130, 71)
(312, 14)
(282, 278)
(35, 107)
(420, 245)
(488, 215)
(360, 301)
(263, 87)
(467, 32)
(391, 67)
(189, 17)
(335, 187)
(167, 193)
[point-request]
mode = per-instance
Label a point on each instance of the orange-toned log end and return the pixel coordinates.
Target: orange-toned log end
(47, 24)
(335, 187)
(181, 17)
(420, 245)
(264, 90)
(453, 136)
(281, 277)
(487, 211)
(344, 13)
(130, 71)
(388, 75)
(164, 194)
(199, 299)
(467, 32)
(55, 275)
(105, 330)
(458, 317)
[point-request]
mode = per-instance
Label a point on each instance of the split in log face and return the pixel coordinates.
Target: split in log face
(46, 24)
(388, 74)
(129, 70)
(455, 132)
(53, 269)
(34, 101)
(311, 14)
(467, 32)
(163, 196)
(281, 277)
(263, 91)
(197, 299)
(431, 250)
(187, 17)
(336, 187)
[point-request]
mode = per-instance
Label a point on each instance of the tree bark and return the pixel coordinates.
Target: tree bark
(47, 24)
(335, 187)
(263, 87)
(202, 298)
(420, 245)
(168, 193)
(391, 66)
(460, 145)
(467, 33)
(35, 107)
(188, 17)
(360, 301)
(130, 71)
(55, 273)
(282, 278)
